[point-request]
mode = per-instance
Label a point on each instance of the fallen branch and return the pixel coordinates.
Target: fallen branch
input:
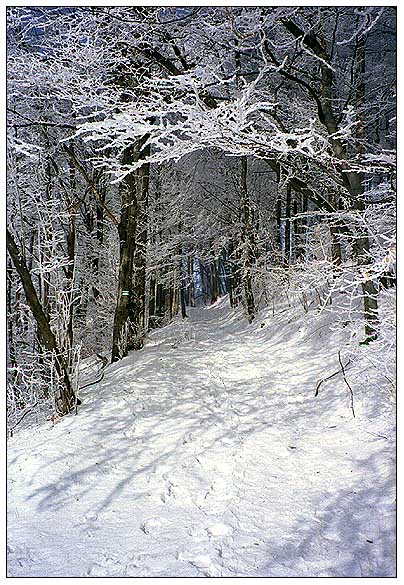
(332, 375)
(104, 364)
(347, 383)
(95, 381)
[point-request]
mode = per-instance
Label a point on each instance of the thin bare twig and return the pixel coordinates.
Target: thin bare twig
(332, 375)
(101, 371)
(347, 383)
(29, 409)
(91, 185)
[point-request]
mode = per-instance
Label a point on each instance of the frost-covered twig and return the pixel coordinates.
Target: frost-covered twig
(28, 410)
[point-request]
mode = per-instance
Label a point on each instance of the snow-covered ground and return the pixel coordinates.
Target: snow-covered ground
(207, 454)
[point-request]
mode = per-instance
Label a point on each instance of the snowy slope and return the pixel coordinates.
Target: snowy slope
(207, 454)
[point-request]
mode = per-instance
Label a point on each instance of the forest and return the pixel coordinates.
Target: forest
(164, 163)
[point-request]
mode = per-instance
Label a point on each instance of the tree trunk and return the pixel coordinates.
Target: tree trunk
(351, 180)
(205, 289)
(234, 275)
(288, 242)
(183, 282)
(128, 329)
(183, 306)
(301, 229)
(361, 250)
(139, 263)
(10, 324)
(279, 221)
(100, 238)
(152, 304)
(222, 276)
(46, 337)
(336, 252)
(71, 248)
(127, 235)
(362, 243)
(247, 242)
(214, 285)
(191, 285)
(160, 302)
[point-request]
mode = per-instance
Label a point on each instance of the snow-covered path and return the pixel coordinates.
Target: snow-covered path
(207, 454)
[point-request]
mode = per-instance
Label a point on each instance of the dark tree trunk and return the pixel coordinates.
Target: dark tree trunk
(183, 284)
(278, 213)
(100, 239)
(161, 297)
(336, 252)
(160, 301)
(362, 243)
(127, 241)
(182, 276)
(175, 297)
(10, 323)
(71, 249)
(279, 221)
(288, 224)
(128, 329)
(204, 282)
(369, 289)
(226, 273)
(214, 284)
(301, 229)
(351, 180)
(183, 305)
(247, 242)
(191, 285)
(152, 303)
(139, 261)
(46, 337)
(171, 300)
(222, 276)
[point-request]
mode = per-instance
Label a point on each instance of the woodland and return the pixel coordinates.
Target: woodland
(160, 158)
(201, 291)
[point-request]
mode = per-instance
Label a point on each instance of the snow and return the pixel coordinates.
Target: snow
(207, 454)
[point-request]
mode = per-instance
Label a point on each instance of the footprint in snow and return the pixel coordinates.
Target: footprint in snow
(219, 530)
(228, 441)
(109, 567)
(188, 438)
(198, 534)
(134, 570)
(19, 556)
(153, 525)
(96, 571)
(202, 562)
(168, 493)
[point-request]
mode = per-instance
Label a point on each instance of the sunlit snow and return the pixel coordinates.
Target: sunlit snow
(207, 454)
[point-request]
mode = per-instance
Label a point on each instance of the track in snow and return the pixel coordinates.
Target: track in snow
(206, 454)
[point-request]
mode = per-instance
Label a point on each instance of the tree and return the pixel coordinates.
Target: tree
(161, 157)
(46, 337)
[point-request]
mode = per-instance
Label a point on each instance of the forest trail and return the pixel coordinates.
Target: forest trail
(207, 454)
